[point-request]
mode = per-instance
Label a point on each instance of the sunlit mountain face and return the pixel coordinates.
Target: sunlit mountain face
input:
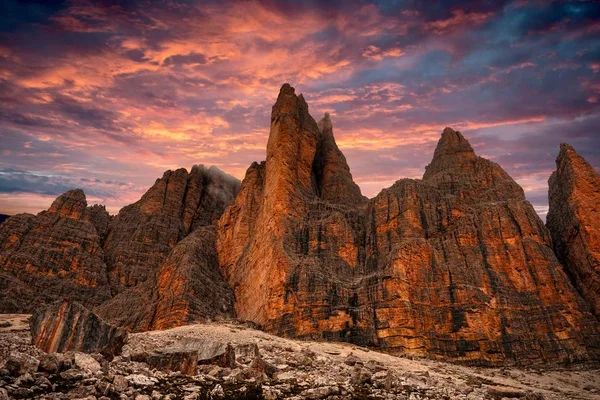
(106, 95)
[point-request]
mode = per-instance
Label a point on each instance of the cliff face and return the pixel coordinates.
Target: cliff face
(161, 253)
(158, 255)
(455, 266)
(466, 269)
(52, 255)
(290, 242)
(144, 233)
(574, 221)
(188, 287)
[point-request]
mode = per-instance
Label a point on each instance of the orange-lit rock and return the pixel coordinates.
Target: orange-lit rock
(69, 326)
(574, 221)
(143, 234)
(50, 256)
(466, 269)
(455, 266)
(290, 243)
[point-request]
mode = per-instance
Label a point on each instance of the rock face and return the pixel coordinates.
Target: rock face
(156, 259)
(52, 255)
(574, 222)
(188, 287)
(290, 243)
(144, 233)
(69, 326)
(466, 269)
(455, 266)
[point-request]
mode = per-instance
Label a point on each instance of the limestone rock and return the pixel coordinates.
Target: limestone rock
(19, 364)
(52, 255)
(466, 269)
(100, 218)
(143, 234)
(187, 287)
(184, 361)
(455, 266)
(332, 174)
(574, 222)
(290, 242)
(68, 326)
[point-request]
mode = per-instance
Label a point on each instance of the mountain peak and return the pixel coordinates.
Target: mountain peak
(70, 204)
(573, 215)
(452, 142)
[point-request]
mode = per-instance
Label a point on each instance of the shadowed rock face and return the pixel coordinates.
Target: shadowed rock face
(69, 326)
(188, 287)
(455, 266)
(574, 221)
(144, 233)
(52, 255)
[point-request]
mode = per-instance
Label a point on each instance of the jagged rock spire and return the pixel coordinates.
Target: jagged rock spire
(452, 143)
(574, 221)
(333, 178)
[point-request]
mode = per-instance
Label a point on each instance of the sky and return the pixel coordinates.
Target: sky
(107, 95)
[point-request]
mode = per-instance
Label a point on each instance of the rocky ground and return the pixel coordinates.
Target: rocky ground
(265, 367)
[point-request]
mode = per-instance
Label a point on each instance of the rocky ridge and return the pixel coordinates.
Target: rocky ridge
(573, 220)
(454, 266)
(263, 367)
(143, 234)
(82, 253)
(52, 255)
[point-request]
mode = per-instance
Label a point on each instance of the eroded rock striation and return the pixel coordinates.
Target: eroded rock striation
(574, 221)
(52, 255)
(188, 287)
(465, 268)
(143, 234)
(455, 266)
(290, 244)
(69, 326)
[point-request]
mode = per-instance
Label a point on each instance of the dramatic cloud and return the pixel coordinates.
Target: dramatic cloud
(106, 95)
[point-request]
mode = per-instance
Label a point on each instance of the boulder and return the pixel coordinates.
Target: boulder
(69, 326)
(20, 363)
(173, 359)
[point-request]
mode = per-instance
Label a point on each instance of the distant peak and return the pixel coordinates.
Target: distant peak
(569, 156)
(452, 142)
(288, 102)
(565, 149)
(286, 88)
(70, 204)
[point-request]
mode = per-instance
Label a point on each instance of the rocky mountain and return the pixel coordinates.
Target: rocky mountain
(456, 266)
(143, 234)
(574, 221)
(187, 287)
(292, 242)
(463, 268)
(52, 255)
(3, 217)
(155, 259)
